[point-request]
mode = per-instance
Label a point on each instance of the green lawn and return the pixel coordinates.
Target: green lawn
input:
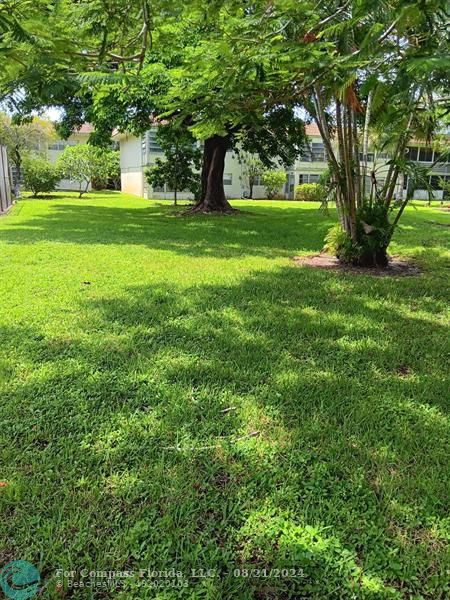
(176, 393)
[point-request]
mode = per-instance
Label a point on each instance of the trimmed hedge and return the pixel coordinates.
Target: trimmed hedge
(310, 192)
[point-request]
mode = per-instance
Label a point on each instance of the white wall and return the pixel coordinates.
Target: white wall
(132, 171)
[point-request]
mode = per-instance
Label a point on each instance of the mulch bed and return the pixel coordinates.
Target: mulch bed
(398, 267)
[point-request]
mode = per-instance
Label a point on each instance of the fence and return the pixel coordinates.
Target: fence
(5, 183)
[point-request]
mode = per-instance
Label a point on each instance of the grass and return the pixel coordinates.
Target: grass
(175, 393)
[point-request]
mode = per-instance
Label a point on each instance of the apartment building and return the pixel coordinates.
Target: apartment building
(138, 153)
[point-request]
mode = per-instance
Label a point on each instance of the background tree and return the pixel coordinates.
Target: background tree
(273, 181)
(252, 170)
(20, 139)
(179, 169)
(83, 163)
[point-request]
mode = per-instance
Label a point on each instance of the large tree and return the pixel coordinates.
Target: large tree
(184, 62)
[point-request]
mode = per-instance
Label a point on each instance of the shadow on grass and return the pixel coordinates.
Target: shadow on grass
(159, 227)
(295, 420)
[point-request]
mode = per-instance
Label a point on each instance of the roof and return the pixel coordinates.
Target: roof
(312, 129)
(116, 134)
(85, 128)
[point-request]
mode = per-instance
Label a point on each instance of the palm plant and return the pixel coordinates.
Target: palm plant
(384, 74)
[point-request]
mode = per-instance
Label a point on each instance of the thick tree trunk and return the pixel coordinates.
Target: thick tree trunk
(213, 193)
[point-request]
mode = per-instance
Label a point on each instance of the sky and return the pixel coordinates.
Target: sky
(53, 114)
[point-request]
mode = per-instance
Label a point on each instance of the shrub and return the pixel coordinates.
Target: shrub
(310, 192)
(373, 230)
(110, 174)
(339, 243)
(273, 181)
(40, 175)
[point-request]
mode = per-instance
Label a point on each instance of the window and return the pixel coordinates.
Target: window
(61, 144)
(305, 178)
(426, 155)
(152, 144)
(317, 152)
(369, 156)
(257, 180)
(58, 145)
(412, 153)
(228, 179)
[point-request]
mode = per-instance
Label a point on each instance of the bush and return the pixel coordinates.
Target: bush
(339, 243)
(110, 174)
(40, 175)
(273, 181)
(372, 230)
(310, 192)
